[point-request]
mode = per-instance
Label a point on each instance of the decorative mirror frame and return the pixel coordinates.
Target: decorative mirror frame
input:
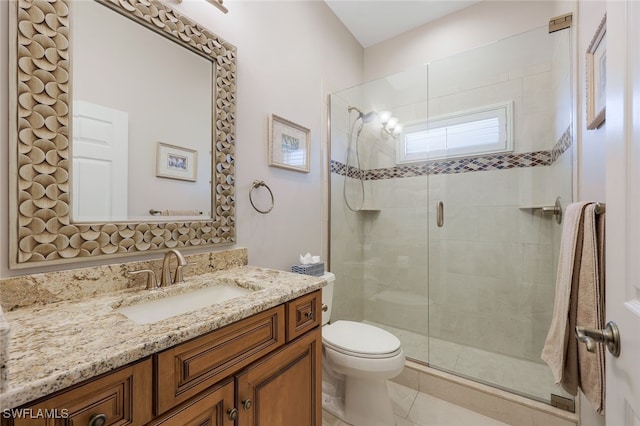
(41, 230)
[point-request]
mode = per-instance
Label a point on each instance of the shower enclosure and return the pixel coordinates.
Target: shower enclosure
(447, 186)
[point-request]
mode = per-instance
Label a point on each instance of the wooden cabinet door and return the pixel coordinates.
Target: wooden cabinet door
(121, 398)
(284, 388)
(214, 407)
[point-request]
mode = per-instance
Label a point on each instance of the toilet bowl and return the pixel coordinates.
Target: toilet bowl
(357, 361)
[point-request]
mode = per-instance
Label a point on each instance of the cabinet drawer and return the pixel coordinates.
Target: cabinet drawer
(211, 408)
(303, 314)
(123, 396)
(184, 370)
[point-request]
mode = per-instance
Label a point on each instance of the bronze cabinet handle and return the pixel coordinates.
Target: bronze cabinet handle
(232, 413)
(97, 420)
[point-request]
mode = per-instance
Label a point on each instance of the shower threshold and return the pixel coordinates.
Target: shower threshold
(522, 377)
(487, 400)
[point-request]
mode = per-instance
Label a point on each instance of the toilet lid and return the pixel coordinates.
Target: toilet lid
(358, 338)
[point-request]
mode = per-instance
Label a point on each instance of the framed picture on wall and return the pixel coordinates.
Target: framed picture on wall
(175, 162)
(288, 144)
(597, 77)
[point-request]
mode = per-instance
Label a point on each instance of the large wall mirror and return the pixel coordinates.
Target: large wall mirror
(123, 130)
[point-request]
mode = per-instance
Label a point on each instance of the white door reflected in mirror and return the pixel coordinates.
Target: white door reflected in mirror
(100, 162)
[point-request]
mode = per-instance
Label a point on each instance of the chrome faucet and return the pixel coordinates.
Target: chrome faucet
(165, 278)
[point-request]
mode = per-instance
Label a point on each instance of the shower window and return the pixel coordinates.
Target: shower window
(481, 131)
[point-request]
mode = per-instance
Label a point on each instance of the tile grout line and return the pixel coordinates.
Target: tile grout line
(415, 398)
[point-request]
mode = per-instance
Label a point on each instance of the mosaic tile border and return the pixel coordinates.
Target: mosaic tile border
(341, 169)
(462, 165)
(563, 144)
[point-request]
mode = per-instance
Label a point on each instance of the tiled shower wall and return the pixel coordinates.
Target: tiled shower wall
(346, 257)
(486, 279)
(396, 273)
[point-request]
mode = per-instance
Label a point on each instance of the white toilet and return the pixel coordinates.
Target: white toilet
(357, 360)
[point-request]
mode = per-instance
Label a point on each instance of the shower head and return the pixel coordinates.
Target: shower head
(366, 117)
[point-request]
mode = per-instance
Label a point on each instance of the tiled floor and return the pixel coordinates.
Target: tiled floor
(521, 376)
(412, 408)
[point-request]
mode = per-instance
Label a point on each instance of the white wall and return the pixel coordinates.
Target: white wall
(290, 56)
(591, 164)
(477, 25)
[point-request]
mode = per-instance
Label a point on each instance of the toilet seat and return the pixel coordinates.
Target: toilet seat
(360, 340)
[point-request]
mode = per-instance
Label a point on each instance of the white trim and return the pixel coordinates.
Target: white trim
(503, 112)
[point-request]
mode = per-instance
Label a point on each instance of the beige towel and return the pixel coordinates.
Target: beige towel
(579, 301)
(590, 309)
(558, 344)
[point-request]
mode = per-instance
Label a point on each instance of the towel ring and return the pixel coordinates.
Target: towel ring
(257, 184)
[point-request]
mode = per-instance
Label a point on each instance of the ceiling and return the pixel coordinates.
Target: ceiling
(373, 21)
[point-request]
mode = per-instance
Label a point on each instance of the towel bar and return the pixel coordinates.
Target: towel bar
(154, 212)
(556, 209)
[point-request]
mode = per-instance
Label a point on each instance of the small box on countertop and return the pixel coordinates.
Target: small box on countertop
(316, 269)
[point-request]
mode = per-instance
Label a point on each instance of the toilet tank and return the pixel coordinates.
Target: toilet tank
(327, 296)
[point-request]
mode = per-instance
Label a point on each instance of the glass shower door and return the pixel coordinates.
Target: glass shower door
(500, 131)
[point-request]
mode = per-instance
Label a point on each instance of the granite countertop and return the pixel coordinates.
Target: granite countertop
(54, 346)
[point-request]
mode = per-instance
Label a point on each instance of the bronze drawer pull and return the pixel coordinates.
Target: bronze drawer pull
(98, 420)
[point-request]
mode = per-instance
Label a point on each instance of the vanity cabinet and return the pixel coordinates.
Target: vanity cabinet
(261, 370)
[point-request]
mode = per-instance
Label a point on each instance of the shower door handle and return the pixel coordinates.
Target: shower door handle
(440, 214)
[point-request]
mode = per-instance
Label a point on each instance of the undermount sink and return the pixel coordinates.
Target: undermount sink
(158, 309)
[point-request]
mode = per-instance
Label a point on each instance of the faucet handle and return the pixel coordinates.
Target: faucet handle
(152, 282)
(179, 278)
